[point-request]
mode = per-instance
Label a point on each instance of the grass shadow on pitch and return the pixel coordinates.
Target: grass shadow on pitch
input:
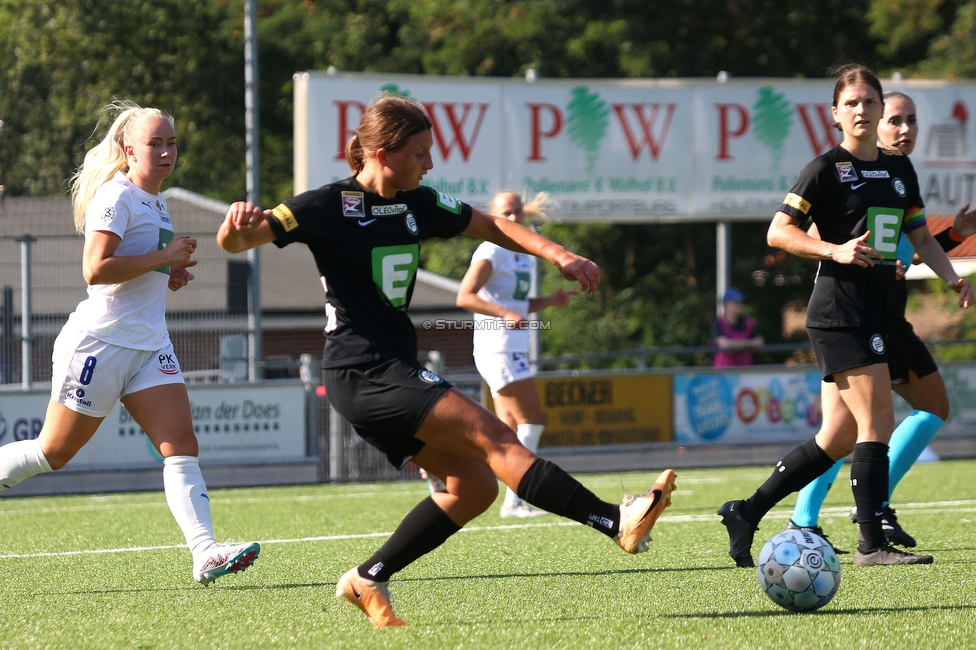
(827, 611)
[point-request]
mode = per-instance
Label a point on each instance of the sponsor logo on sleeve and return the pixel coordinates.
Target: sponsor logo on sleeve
(429, 377)
(797, 202)
(352, 204)
(107, 215)
(285, 217)
(388, 210)
(846, 172)
(448, 203)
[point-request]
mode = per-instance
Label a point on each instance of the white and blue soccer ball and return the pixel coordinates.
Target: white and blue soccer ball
(798, 570)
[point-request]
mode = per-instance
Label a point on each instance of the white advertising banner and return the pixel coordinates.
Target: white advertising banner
(630, 150)
(960, 382)
(246, 424)
(746, 407)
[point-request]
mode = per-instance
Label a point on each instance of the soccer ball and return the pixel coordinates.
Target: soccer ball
(798, 570)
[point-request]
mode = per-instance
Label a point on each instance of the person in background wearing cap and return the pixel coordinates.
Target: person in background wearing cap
(734, 333)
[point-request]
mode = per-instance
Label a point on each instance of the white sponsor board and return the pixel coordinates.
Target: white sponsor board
(746, 407)
(630, 150)
(960, 382)
(246, 424)
(749, 407)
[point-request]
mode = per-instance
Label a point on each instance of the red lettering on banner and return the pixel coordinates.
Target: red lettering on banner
(830, 137)
(344, 131)
(536, 133)
(457, 128)
(724, 132)
(646, 126)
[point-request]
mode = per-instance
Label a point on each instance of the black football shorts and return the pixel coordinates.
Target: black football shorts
(386, 401)
(844, 348)
(907, 352)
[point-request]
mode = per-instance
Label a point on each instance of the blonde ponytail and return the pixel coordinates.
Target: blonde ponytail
(108, 156)
(538, 209)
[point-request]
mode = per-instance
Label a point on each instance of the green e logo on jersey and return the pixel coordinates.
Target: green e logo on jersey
(448, 203)
(393, 271)
(522, 285)
(165, 237)
(885, 227)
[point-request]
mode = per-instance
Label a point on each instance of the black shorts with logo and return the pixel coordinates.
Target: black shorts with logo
(907, 352)
(386, 401)
(843, 348)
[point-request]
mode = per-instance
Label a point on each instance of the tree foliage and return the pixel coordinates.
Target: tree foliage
(62, 61)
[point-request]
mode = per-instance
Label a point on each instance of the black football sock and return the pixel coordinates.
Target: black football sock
(801, 465)
(423, 529)
(545, 485)
(869, 482)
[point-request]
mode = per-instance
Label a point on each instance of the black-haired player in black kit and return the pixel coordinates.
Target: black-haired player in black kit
(365, 235)
(914, 374)
(861, 199)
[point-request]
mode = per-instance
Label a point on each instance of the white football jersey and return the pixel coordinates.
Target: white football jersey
(130, 314)
(508, 286)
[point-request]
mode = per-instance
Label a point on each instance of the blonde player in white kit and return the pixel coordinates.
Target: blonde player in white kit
(116, 345)
(496, 290)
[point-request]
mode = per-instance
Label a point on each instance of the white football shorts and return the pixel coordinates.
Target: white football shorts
(89, 375)
(499, 369)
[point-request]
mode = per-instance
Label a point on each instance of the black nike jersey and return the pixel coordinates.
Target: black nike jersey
(847, 197)
(367, 249)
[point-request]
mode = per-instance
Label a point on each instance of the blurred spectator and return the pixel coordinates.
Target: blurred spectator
(734, 333)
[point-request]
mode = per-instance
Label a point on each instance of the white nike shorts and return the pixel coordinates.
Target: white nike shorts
(90, 376)
(499, 369)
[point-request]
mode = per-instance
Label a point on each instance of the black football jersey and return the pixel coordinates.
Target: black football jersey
(367, 249)
(846, 197)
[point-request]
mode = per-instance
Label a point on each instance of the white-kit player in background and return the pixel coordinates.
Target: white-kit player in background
(116, 345)
(496, 289)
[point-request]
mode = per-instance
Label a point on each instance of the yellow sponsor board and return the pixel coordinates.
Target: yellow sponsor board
(604, 409)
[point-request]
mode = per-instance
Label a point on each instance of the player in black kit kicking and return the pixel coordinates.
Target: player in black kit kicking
(365, 234)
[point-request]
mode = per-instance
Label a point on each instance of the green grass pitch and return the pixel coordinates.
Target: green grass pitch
(111, 571)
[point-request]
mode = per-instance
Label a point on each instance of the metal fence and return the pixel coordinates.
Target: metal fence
(207, 320)
(41, 283)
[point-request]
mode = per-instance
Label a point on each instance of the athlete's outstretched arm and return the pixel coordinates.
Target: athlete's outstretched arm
(785, 233)
(965, 222)
(932, 254)
(244, 227)
(520, 239)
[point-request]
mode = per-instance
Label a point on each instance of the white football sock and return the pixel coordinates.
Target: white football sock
(186, 496)
(20, 460)
(529, 435)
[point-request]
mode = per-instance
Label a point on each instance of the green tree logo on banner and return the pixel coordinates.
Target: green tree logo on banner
(587, 123)
(772, 118)
(395, 89)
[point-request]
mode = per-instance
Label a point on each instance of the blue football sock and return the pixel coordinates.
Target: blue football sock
(907, 443)
(810, 498)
